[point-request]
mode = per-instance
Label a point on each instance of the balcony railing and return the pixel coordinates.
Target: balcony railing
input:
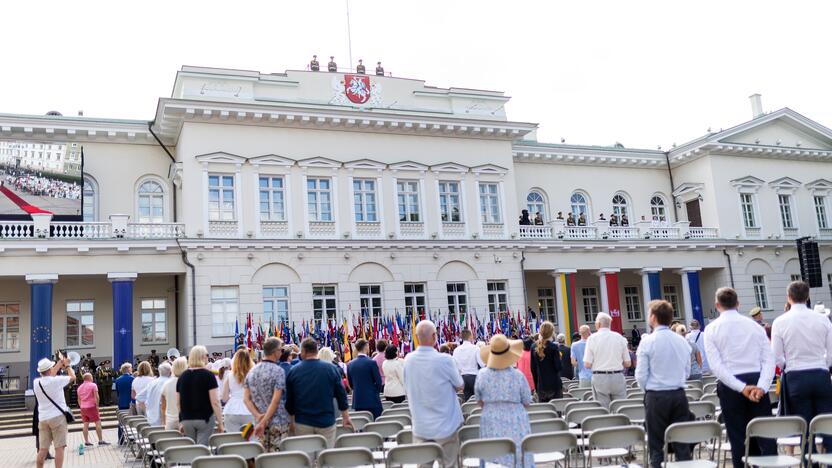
(602, 231)
(703, 233)
(825, 233)
(536, 232)
(117, 228)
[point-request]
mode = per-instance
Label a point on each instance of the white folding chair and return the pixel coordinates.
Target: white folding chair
(217, 440)
(580, 392)
(487, 450)
(636, 413)
(368, 440)
(615, 404)
(702, 409)
(404, 437)
(542, 415)
(549, 447)
(466, 433)
(560, 403)
(311, 445)
(548, 425)
(366, 414)
(219, 461)
(821, 425)
(773, 428)
(402, 419)
(615, 443)
(247, 450)
(288, 459)
(473, 420)
(693, 394)
(695, 432)
(175, 456)
(396, 411)
(418, 454)
(467, 408)
(164, 444)
(345, 457)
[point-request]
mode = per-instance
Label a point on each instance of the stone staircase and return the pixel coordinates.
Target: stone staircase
(16, 421)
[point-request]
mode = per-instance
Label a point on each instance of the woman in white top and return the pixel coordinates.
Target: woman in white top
(393, 375)
(140, 383)
(169, 411)
(235, 413)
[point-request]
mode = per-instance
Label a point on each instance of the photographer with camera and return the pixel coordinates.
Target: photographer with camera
(53, 413)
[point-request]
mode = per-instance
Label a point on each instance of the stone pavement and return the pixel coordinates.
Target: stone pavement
(20, 452)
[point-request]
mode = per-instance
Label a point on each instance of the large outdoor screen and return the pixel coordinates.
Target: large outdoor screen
(41, 177)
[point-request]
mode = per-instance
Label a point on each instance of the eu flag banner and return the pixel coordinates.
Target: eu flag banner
(695, 296)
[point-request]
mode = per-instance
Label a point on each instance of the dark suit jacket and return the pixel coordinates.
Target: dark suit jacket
(365, 380)
(566, 369)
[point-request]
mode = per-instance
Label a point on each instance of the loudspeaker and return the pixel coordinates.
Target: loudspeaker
(809, 256)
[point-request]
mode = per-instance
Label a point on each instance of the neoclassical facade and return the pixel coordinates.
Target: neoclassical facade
(304, 196)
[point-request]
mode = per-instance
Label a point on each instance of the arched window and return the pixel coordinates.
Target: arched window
(657, 208)
(151, 199)
(619, 205)
(89, 209)
(535, 203)
(578, 205)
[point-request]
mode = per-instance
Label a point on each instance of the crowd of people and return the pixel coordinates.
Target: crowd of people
(580, 219)
(37, 184)
(304, 390)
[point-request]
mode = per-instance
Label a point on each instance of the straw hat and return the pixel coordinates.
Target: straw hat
(754, 311)
(501, 352)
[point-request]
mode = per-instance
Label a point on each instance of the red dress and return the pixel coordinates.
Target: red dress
(524, 365)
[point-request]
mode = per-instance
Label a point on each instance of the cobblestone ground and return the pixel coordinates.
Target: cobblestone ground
(20, 452)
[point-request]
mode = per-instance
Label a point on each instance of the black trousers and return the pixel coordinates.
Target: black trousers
(395, 399)
(808, 394)
(468, 389)
(664, 408)
(737, 412)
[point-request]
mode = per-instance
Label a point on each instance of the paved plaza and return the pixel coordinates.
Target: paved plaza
(20, 452)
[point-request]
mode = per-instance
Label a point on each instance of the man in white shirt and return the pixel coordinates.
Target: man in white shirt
(49, 391)
(431, 380)
(607, 356)
(467, 357)
(801, 340)
(696, 336)
(741, 358)
(151, 396)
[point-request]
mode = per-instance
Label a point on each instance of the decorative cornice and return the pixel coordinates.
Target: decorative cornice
(77, 129)
(587, 156)
(753, 151)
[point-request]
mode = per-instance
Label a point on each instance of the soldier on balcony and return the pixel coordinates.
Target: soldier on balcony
(314, 65)
(379, 69)
(560, 215)
(624, 221)
(360, 68)
(331, 66)
(538, 219)
(570, 220)
(581, 220)
(613, 220)
(601, 217)
(524, 218)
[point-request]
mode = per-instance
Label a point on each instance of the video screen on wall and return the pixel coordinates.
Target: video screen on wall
(41, 177)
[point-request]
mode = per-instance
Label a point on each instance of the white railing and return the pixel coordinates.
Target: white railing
(492, 230)
(83, 230)
(703, 233)
(618, 232)
(825, 233)
(155, 230)
(222, 228)
(753, 232)
(453, 230)
(322, 229)
(790, 233)
(535, 232)
(411, 230)
(580, 232)
(274, 229)
(17, 230)
(368, 230)
(662, 233)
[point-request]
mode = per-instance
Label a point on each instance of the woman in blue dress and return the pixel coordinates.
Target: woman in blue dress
(503, 393)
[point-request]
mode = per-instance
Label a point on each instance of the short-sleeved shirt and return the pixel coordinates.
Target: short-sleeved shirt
(431, 379)
(695, 368)
(262, 382)
(578, 349)
(194, 386)
(86, 395)
(54, 387)
(123, 386)
(606, 351)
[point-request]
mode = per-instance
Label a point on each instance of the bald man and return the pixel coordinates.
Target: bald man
(88, 400)
(431, 381)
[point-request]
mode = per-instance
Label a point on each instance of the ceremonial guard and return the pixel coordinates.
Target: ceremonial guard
(360, 68)
(105, 377)
(331, 66)
(581, 220)
(379, 69)
(624, 221)
(314, 65)
(613, 220)
(154, 359)
(570, 219)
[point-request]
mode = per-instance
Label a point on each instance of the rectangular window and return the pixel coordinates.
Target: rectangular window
(793, 278)
(820, 212)
(221, 205)
(225, 306)
(497, 298)
(670, 295)
(786, 211)
(154, 321)
(370, 301)
(323, 301)
(272, 199)
(275, 304)
(319, 199)
(450, 206)
(408, 196)
(490, 203)
(414, 299)
(760, 293)
(9, 327)
(546, 305)
(632, 303)
(590, 302)
(457, 300)
(364, 198)
(80, 324)
(747, 202)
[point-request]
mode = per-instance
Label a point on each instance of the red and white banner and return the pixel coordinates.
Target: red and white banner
(613, 303)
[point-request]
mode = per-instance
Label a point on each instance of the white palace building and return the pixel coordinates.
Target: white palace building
(306, 194)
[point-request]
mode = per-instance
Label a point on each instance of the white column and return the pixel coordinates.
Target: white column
(645, 286)
(688, 310)
(256, 189)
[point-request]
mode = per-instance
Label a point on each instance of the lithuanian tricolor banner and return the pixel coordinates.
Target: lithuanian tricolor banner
(570, 324)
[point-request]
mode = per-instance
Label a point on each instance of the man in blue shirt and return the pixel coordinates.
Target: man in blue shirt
(124, 387)
(578, 351)
(663, 367)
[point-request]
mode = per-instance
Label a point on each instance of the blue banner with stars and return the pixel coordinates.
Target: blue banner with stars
(695, 297)
(41, 321)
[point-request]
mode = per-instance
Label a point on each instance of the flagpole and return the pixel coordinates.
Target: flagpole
(349, 33)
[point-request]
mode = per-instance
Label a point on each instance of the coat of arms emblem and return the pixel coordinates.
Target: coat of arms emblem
(357, 88)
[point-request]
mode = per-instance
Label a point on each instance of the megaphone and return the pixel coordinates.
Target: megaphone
(74, 358)
(173, 353)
